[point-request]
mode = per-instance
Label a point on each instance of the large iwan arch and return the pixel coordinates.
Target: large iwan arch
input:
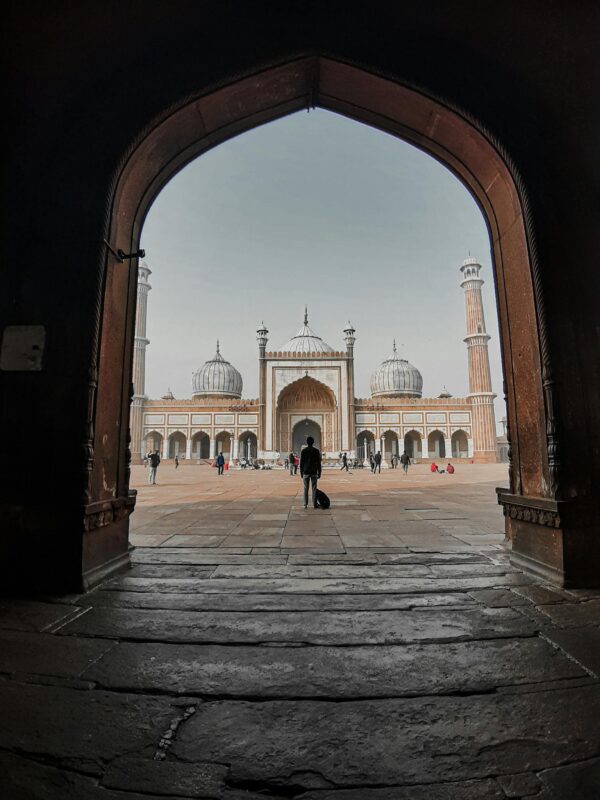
(544, 540)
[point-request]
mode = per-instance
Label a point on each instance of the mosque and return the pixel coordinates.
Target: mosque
(306, 387)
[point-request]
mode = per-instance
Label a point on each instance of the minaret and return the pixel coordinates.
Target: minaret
(480, 381)
(139, 364)
(261, 338)
(349, 338)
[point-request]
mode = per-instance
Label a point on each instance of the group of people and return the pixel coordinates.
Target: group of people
(292, 462)
(434, 468)
(309, 464)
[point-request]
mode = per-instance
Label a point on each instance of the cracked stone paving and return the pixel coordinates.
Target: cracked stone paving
(384, 649)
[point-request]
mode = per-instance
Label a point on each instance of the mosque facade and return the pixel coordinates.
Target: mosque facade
(306, 387)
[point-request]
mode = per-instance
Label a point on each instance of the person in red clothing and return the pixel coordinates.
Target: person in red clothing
(450, 469)
(434, 467)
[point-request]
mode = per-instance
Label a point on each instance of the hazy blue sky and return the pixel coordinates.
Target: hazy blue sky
(314, 209)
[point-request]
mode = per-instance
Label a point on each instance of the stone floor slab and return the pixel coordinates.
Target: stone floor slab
(329, 672)
(393, 741)
(322, 627)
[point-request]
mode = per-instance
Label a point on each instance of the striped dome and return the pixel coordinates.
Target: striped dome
(217, 377)
(306, 341)
(396, 377)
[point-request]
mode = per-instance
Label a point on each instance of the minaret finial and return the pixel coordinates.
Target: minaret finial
(306, 315)
(395, 350)
(218, 348)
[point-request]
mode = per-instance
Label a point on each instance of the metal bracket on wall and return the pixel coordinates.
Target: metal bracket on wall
(120, 255)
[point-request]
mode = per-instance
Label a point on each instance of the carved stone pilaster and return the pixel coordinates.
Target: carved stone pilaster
(105, 512)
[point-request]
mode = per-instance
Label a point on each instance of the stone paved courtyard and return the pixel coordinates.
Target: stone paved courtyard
(384, 649)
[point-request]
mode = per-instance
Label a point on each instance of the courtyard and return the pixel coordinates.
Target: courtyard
(383, 649)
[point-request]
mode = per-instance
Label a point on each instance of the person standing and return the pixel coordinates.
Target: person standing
(310, 470)
(292, 456)
(296, 463)
(405, 461)
(377, 460)
(176, 461)
(372, 462)
(220, 463)
(393, 461)
(154, 460)
(344, 462)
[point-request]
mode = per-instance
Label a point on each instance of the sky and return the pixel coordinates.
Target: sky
(318, 210)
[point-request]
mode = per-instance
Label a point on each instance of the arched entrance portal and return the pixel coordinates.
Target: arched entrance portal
(413, 445)
(176, 138)
(460, 445)
(365, 445)
(177, 442)
(302, 403)
(247, 446)
(200, 446)
(153, 442)
(436, 445)
(302, 430)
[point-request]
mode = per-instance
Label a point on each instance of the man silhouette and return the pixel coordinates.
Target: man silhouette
(310, 470)
(377, 459)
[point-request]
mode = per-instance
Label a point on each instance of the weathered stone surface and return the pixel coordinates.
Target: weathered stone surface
(25, 779)
(200, 556)
(582, 644)
(320, 627)
(383, 671)
(45, 654)
(395, 742)
(460, 790)
(166, 777)
(579, 781)
(573, 614)
(325, 571)
(32, 615)
(498, 598)
(276, 602)
(80, 729)
(542, 595)
(433, 558)
(170, 571)
(317, 585)
(524, 784)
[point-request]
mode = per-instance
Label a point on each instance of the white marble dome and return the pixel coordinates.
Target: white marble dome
(396, 377)
(306, 341)
(217, 378)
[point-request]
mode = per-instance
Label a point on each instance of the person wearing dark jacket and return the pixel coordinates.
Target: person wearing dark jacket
(377, 459)
(154, 460)
(220, 463)
(310, 470)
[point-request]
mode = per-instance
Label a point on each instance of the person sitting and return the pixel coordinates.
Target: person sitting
(450, 469)
(434, 467)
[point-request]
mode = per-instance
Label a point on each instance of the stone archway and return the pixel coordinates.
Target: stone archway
(307, 400)
(200, 445)
(176, 139)
(414, 445)
(460, 444)
(302, 430)
(247, 445)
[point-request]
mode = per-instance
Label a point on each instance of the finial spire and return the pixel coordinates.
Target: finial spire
(306, 315)
(218, 348)
(395, 350)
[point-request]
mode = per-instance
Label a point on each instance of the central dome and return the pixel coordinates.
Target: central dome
(217, 378)
(396, 378)
(306, 341)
